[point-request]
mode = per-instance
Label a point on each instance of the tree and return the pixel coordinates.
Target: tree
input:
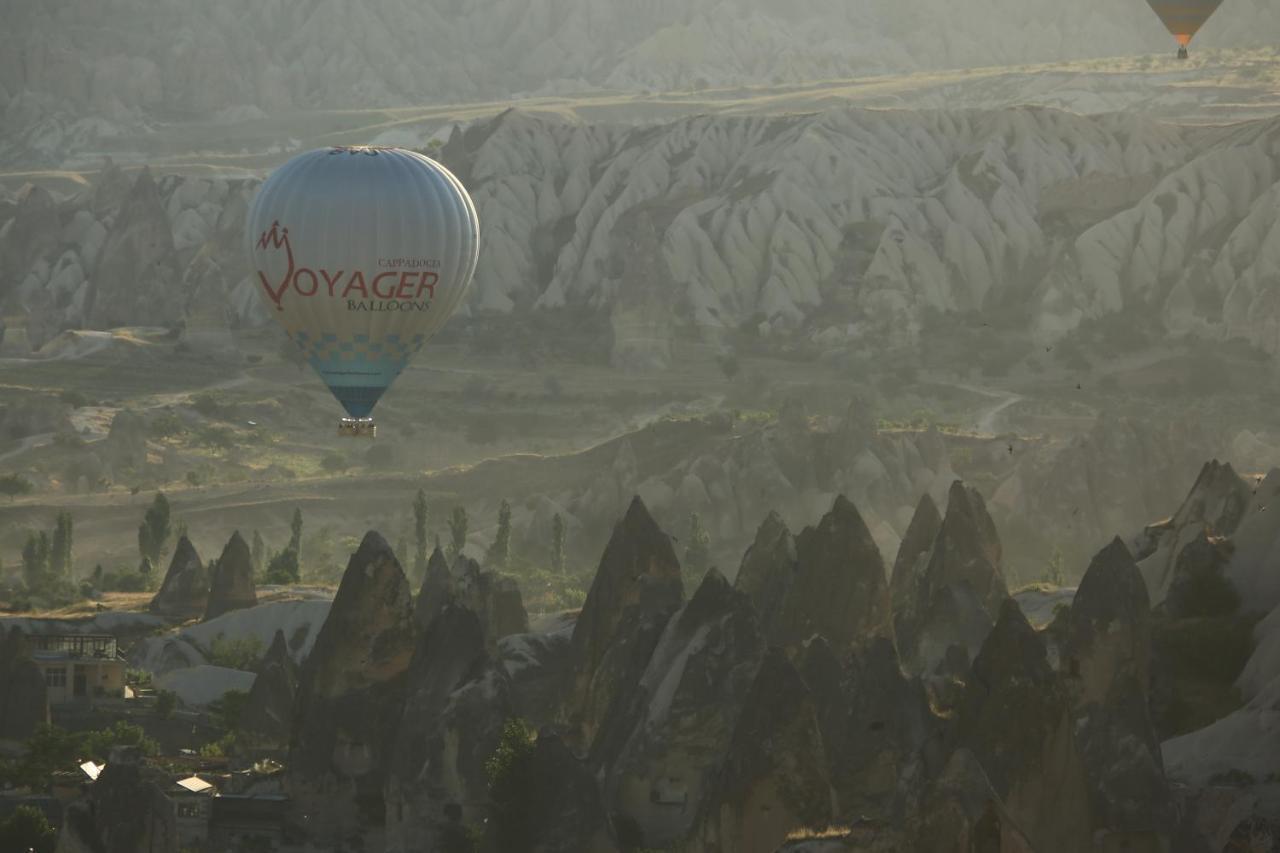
(236, 652)
(154, 532)
(258, 554)
(321, 560)
(48, 749)
(513, 788)
(60, 548)
(98, 745)
(1054, 569)
(226, 712)
(27, 829)
(500, 551)
(148, 571)
(457, 531)
(295, 529)
(557, 543)
(697, 555)
(35, 559)
(283, 568)
(166, 701)
(15, 486)
(420, 533)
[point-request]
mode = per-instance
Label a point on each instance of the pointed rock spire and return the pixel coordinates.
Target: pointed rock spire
(840, 590)
(268, 711)
(768, 569)
(636, 590)
(351, 692)
(1016, 719)
(231, 587)
(184, 594)
(436, 591)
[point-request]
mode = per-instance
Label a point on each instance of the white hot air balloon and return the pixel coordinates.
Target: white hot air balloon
(362, 254)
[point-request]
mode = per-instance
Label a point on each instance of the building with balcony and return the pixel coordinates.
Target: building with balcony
(79, 667)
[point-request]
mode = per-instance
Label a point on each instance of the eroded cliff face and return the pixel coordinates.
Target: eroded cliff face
(637, 588)
(350, 694)
(828, 227)
(681, 723)
(231, 584)
(184, 594)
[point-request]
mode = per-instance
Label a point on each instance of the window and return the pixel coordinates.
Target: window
(55, 676)
(189, 810)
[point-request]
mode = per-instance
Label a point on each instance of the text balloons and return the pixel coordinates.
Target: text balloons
(361, 255)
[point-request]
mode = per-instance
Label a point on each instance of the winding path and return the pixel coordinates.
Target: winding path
(989, 418)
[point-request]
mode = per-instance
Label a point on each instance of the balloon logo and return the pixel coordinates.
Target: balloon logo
(362, 255)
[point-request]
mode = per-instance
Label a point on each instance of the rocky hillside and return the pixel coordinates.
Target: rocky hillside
(110, 58)
(905, 704)
(845, 229)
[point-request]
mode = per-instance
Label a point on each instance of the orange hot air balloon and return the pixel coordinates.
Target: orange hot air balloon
(1183, 18)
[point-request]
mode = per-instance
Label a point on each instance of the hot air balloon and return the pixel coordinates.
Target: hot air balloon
(362, 253)
(1184, 18)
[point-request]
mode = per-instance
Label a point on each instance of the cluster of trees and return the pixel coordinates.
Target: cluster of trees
(51, 748)
(15, 486)
(46, 557)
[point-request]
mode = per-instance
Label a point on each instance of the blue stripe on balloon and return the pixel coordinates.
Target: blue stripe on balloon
(358, 382)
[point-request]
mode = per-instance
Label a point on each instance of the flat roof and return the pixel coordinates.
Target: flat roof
(194, 784)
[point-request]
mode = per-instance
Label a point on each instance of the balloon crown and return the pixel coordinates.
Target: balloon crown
(368, 150)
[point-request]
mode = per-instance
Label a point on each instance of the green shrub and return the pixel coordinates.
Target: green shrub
(27, 829)
(513, 788)
(235, 653)
(226, 711)
(166, 701)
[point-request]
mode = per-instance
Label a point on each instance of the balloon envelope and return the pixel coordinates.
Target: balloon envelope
(1184, 18)
(362, 254)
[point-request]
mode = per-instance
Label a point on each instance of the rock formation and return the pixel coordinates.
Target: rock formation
(772, 779)
(660, 754)
(267, 717)
(125, 811)
(906, 583)
(637, 588)
(350, 692)
(839, 591)
(138, 266)
(768, 569)
(1215, 506)
(570, 815)
(24, 703)
(454, 709)
(231, 587)
(958, 586)
(1016, 719)
(886, 742)
(436, 590)
(1107, 669)
(1256, 548)
(184, 594)
(1092, 488)
(1198, 584)
(964, 812)
(493, 597)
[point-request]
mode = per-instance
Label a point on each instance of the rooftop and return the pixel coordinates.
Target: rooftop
(74, 646)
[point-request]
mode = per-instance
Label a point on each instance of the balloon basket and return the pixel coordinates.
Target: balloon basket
(357, 428)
